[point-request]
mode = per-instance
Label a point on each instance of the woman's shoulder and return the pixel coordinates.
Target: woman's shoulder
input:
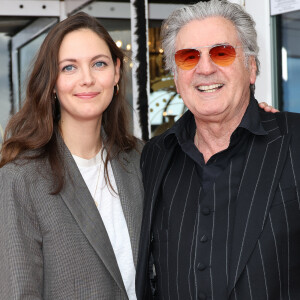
(29, 169)
(139, 145)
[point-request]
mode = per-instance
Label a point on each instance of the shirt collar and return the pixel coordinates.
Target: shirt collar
(251, 119)
(181, 130)
(184, 129)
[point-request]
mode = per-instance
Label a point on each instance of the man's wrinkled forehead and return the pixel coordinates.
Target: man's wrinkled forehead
(207, 32)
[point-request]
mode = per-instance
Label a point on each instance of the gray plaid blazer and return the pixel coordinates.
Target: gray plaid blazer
(56, 246)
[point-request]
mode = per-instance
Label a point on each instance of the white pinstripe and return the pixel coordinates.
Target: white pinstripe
(246, 166)
(250, 209)
(156, 161)
(196, 248)
(263, 266)
(145, 158)
(248, 217)
(162, 218)
(249, 283)
(211, 245)
(273, 129)
(286, 123)
(235, 295)
(167, 175)
(288, 232)
(277, 258)
(269, 196)
(292, 163)
(228, 220)
(279, 137)
(187, 195)
(152, 197)
(267, 121)
(159, 261)
(171, 204)
(194, 238)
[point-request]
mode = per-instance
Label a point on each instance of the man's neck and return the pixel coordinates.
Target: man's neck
(213, 136)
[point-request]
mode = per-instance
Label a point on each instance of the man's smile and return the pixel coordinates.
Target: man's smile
(210, 88)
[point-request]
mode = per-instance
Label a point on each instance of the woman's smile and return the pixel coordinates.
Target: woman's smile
(87, 95)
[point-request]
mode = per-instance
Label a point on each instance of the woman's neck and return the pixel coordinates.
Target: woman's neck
(82, 138)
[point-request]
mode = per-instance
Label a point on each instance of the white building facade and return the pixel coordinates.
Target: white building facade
(24, 24)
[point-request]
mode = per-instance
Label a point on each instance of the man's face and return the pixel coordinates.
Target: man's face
(211, 92)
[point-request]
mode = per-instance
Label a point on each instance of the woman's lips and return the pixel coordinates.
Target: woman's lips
(89, 95)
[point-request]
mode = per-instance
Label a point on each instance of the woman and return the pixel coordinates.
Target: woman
(71, 191)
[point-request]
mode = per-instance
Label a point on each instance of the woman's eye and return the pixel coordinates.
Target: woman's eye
(100, 64)
(68, 68)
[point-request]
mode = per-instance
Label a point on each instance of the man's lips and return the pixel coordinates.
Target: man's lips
(210, 88)
(87, 95)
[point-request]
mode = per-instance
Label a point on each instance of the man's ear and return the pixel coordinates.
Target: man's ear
(253, 69)
(175, 81)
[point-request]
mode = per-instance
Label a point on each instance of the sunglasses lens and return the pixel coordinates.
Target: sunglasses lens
(187, 59)
(223, 55)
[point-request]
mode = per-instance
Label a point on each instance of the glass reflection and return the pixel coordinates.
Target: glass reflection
(165, 105)
(290, 60)
(5, 100)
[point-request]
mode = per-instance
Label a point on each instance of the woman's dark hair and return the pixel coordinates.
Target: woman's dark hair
(35, 126)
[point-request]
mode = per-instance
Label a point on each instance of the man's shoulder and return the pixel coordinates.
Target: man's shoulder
(292, 122)
(158, 141)
(154, 149)
(286, 121)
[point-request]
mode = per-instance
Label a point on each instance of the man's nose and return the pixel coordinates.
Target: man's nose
(205, 65)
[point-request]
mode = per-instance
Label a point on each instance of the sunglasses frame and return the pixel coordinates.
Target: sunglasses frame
(211, 47)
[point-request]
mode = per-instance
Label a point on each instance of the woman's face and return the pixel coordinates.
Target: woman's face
(87, 76)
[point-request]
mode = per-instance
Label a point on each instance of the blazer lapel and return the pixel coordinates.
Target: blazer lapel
(263, 166)
(162, 162)
(127, 175)
(152, 185)
(78, 199)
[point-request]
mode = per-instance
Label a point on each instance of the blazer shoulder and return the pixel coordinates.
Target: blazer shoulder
(29, 169)
(157, 141)
(288, 122)
(19, 182)
(134, 155)
(154, 144)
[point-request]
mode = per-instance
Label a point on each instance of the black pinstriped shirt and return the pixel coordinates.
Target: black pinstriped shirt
(192, 226)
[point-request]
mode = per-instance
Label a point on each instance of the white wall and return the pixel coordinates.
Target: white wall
(260, 11)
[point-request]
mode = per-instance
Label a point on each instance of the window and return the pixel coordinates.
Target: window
(288, 60)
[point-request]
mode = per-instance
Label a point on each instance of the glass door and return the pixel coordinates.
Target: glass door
(20, 37)
(25, 44)
(287, 60)
(5, 100)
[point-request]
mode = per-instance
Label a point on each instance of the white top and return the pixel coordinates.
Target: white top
(110, 209)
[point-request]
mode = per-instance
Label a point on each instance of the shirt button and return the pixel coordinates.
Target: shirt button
(205, 211)
(202, 296)
(201, 266)
(204, 239)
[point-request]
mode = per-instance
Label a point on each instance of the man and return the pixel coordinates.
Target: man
(221, 216)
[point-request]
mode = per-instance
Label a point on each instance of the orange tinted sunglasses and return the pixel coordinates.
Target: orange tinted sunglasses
(222, 55)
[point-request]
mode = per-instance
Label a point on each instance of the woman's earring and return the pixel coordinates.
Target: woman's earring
(117, 89)
(55, 97)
